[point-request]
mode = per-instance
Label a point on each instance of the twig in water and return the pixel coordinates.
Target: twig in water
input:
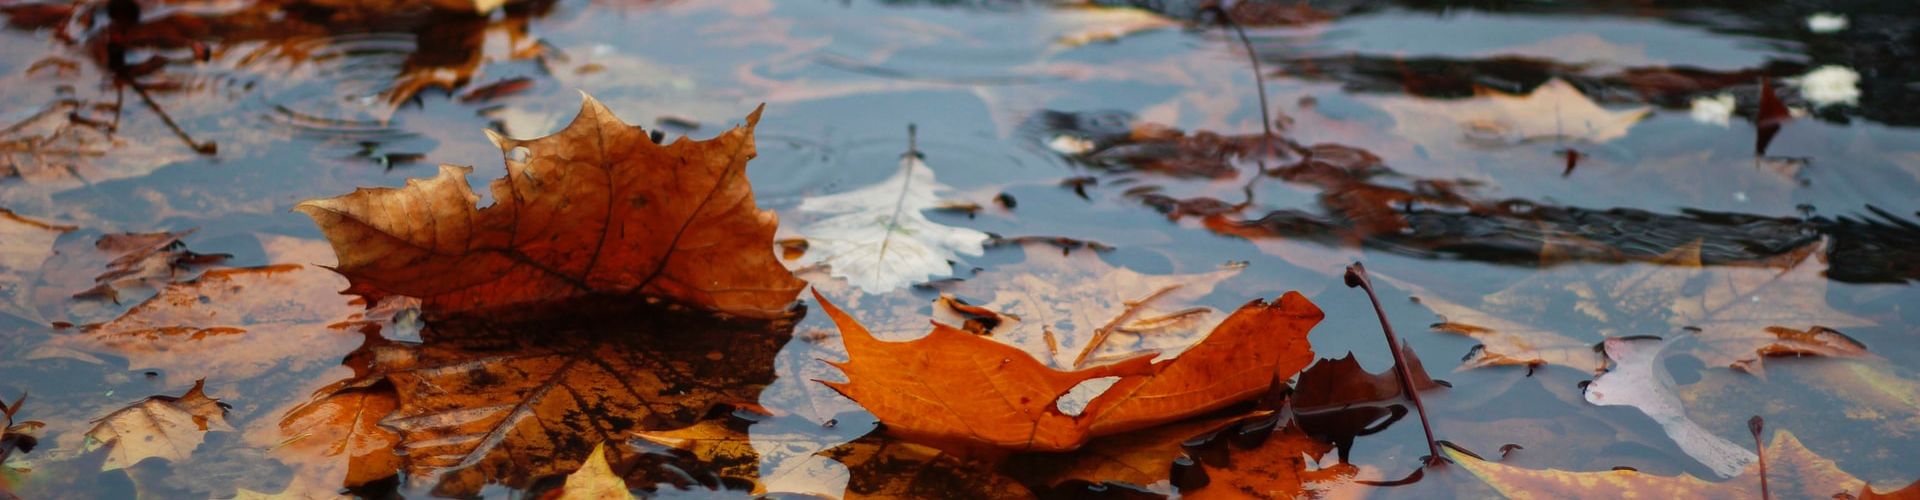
(1357, 277)
(1755, 425)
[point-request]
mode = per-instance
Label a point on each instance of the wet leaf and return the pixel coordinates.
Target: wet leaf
(337, 440)
(1281, 466)
(1553, 110)
(597, 208)
(473, 403)
(137, 260)
(285, 317)
(595, 480)
(24, 246)
(1337, 383)
(1793, 471)
(1070, 307)
(878, 237)
(1142, 457)
(953, 388)
(889, 469)
(161, 426)
(1638, 379)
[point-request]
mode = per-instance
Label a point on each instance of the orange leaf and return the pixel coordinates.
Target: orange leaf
(951, 387)
(597, 208)
(1278, 468)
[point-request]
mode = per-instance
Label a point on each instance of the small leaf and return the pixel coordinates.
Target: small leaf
(161, 426)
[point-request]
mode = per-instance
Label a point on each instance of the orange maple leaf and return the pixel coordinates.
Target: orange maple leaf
(953, 388)
(597, 208)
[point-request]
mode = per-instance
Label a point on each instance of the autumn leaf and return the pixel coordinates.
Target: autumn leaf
(337, 440)
(594, 480)
(1638, 379)
(953, 388)
(878, 237)
(1066, 307)
(160, 426)
(1737, 314)
(141, 259)
(1141, 457)
(1279, 467)
(1792, 471)
(286, 317)
(472, 403)
(595, 209)
(24, 246)
(1555, 109)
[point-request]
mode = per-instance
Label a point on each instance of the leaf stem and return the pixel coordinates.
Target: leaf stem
(1755, 425)
(1357, 277)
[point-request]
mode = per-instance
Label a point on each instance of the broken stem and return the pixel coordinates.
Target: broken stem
(1357, 277)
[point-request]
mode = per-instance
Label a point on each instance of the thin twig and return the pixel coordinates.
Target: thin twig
(1100, 335)
(1755, 424)
(1357, 277)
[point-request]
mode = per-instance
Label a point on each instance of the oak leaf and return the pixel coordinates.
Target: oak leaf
(160, 426)
(284, 317)
(1792, 471)
(878, 237)
(953, 388)
(594, 209)
(1064, 306)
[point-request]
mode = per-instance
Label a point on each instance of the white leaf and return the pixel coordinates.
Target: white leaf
(1639, 380)
(878, 239)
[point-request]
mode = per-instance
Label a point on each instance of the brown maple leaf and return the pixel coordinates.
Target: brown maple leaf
(471, 405)
(160, 426)
(594, 209)
(952, 388)
(284, 317)
(335, 441)
(1792, 471)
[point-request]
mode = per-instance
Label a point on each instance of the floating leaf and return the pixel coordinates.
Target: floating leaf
(878, 237)
(1792, 471)
(597, 208)
(161, 426)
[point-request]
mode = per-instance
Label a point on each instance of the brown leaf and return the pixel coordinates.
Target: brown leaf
(1140, 457)
(1555, 109)
(286, 317)
(597, 208)
(953, 388)
(1337, 383)
(594, 481)
(472, 405)
(336, 441)
(1277, 468)
(138, 259)
(1793, 471)
(161, 426)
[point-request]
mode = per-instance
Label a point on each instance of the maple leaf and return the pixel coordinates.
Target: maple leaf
(1638, 379)
(1141, 457)
(470, 404)
(594, 209)
(1738, 314)
(335, 441)
(878, 237)
(1792, 471)
(160, 426)
(1555, 109)
(1277, 468)
(953, 388)
(286, 316)
(24, 246)
(1073, 299)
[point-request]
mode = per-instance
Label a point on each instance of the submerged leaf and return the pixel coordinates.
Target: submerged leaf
(24, 246)
(1638, 379)
(1792, 471)
(878, 237)
(161, 426)
(597, 208)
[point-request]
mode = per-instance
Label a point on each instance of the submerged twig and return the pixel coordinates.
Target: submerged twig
(1357, 277)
